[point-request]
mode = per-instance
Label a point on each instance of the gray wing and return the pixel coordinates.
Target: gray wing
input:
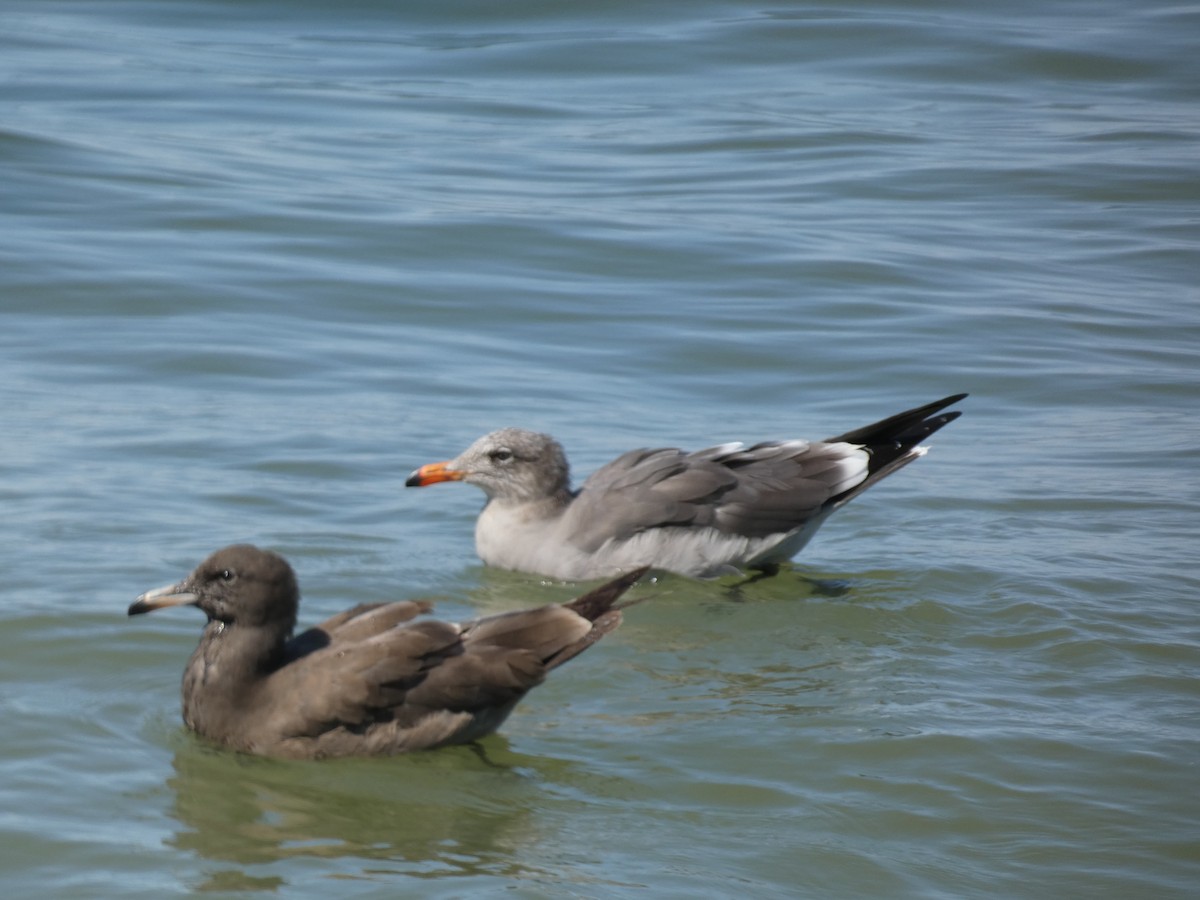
(770, 488)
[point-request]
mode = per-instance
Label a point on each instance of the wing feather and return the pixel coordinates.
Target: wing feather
(767, 489)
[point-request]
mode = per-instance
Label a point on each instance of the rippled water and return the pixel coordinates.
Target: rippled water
(260, 260)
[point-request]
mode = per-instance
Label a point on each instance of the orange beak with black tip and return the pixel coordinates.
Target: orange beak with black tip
(434, 473)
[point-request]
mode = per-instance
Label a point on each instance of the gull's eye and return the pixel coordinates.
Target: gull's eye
(227, 575)
(500, 454)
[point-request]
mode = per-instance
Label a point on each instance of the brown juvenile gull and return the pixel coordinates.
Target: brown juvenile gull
(700, 514)
(369, 681)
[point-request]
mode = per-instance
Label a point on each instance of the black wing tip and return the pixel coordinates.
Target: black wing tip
(926, 411)
(949, 401)
(921, 426)
(933, 423)
(912, 424)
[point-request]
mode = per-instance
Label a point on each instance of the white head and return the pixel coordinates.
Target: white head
(509, 464)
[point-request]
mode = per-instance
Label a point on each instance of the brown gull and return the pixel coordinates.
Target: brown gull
(373, 680)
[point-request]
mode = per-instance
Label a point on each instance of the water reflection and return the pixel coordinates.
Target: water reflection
(460, 811)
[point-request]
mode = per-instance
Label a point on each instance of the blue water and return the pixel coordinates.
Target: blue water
(260, 260)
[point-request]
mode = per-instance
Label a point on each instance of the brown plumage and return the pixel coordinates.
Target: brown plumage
(373, 680)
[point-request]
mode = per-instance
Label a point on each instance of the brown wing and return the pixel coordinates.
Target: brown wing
(384, 683)
(363, 674)
(507, 654)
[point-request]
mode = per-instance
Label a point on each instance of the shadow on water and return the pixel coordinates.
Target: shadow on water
(499, 590)
(788, 579)
(461, 811)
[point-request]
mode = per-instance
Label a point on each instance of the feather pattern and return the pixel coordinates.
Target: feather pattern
(375, 679)
(703, 513)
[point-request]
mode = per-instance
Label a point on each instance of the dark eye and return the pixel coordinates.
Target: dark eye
(501, 454)
(227, 575)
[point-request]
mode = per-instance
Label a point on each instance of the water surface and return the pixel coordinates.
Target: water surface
(259, 261)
